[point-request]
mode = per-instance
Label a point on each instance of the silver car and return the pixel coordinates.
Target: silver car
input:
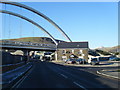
(80, 61)
(94, 61)
(70, 61)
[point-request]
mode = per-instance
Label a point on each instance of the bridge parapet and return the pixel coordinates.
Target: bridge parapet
(28, 44)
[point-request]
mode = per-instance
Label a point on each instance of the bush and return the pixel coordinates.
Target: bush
(118, 70)
(117, 53)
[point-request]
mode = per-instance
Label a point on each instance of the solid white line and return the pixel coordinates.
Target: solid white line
(79, 85)
(21, 80)
(24, 79)
(107, 75)
(63, 75)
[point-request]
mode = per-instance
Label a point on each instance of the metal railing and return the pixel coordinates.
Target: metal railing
(29, 44)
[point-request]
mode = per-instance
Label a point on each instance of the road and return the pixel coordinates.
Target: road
(51, 75)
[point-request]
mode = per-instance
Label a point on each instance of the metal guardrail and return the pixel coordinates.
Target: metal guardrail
(29, 44)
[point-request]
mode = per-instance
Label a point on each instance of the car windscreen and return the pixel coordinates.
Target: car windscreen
(94, 59)
(47, 53)
(71, 59)
(79, 60)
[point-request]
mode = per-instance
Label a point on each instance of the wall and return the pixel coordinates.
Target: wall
(8, 58)
(78, 52)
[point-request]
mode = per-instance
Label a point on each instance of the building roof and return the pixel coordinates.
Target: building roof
(72, 45)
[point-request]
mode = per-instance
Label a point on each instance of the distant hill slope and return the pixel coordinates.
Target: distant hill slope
(110, 49)
(45, 40)
(93, 52)
(104, 51)
(48, 40)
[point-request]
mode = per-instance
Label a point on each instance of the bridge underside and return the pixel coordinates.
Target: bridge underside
(27, 48)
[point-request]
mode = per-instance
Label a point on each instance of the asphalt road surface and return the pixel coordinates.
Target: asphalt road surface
(51, 75)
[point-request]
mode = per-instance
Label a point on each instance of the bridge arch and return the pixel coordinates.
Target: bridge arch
(38, 13)
(25, 18)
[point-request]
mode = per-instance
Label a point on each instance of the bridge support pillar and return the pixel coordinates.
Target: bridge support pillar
(26, 55)
(55, 55)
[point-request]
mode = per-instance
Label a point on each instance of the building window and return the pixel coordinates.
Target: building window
(68, 51)
(63, 51)
(80, 52)
(72, 51)
(64, 58)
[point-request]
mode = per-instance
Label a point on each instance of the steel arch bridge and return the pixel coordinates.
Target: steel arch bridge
(34, 23)
(38, 13)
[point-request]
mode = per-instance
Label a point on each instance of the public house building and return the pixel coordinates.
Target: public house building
(67, 49)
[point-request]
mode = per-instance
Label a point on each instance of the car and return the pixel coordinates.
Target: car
(80, 61)
(70, 61)
(94, 61)
(114, 59)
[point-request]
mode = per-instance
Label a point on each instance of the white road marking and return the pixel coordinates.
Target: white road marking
(107, 75)
(64, 75)
(86, 71)
(21, 80)
(79, 85)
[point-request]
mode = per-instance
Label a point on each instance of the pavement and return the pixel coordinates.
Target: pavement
(102, 64)
(109, 73)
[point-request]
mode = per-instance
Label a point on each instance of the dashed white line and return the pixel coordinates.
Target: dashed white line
(79, 85)
(64, 75)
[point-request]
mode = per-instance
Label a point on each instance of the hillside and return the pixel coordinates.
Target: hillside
(110, 49)
(105, 51)
(45, 40)
(93, 52)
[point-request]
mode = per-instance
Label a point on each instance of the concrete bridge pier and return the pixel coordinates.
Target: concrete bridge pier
(56, 56)
(32, 53)
(26, 54)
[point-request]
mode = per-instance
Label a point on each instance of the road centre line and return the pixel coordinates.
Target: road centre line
(63, 75)
(79, 85)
